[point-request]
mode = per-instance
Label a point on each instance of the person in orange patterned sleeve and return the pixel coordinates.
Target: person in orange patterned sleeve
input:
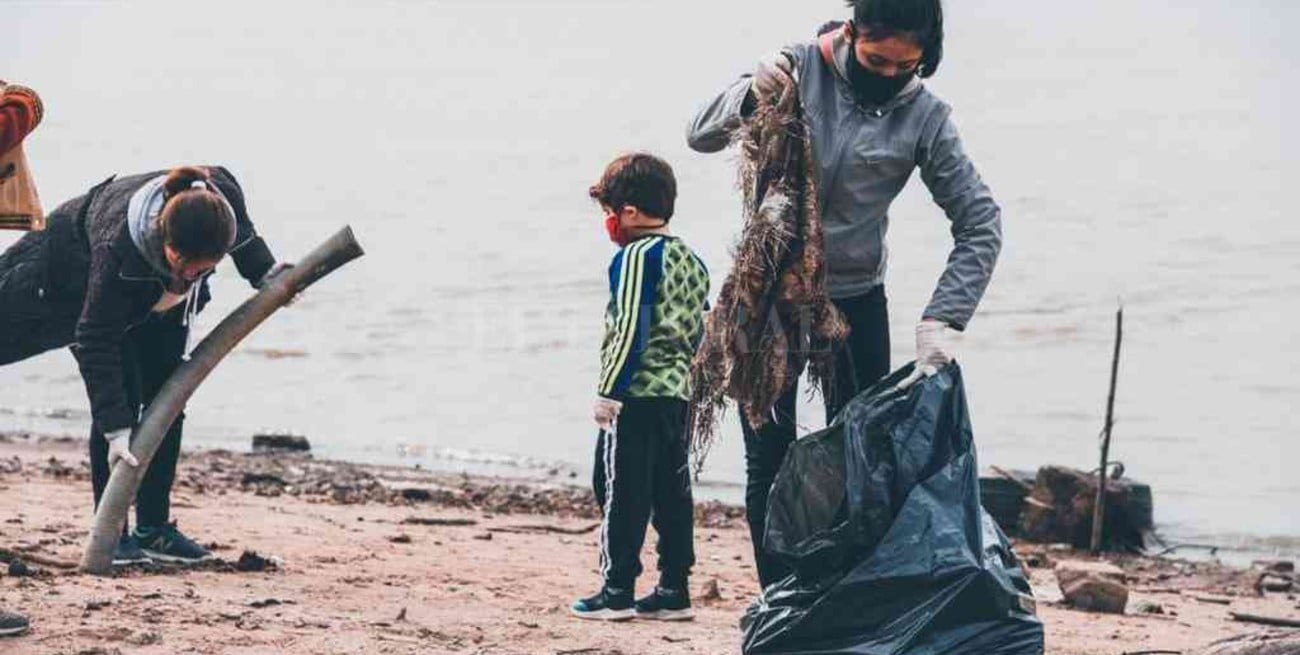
(20, 113)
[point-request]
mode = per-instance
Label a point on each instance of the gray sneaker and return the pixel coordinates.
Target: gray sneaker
(12, 624)
(168, 544)
(128, 552)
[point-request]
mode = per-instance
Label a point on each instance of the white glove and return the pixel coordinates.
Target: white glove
(933, 350)
(775, 72)
(119, 447)
(606, 411)
(276, 269)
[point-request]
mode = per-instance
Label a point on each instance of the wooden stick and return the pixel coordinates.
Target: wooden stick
(1265, 620)
(124, 481)
(534, 529)
(420, 520)
(9, 555)
(1099, 508)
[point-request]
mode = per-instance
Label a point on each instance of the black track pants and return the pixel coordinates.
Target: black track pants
(150, 353)
(642, 475)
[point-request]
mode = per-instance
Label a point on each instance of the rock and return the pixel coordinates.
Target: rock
(710, 591)
(266, 602)
(417, 495)
(485, 536)
(400, 538)
(1275, 584)
(258, 479)
(280, 443)
(144, 638)
(11, 465)
(1096, 595)
(1092, 586)
(1275, 565)
(250, 561)
(1149, 607)
(19, 569)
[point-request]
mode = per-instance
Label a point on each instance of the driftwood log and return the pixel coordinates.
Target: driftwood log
(1278, 642)
(1060, 510)
(167, 405)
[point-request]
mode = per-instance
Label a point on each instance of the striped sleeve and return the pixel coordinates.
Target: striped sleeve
(634, 282)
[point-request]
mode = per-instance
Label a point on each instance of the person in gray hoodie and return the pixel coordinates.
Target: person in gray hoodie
(118, 275)
(872, 123)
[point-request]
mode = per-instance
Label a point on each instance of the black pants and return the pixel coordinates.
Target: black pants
(859, 363)
(151, 351)
(642, 476)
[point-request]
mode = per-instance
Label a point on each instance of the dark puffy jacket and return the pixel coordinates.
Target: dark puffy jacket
(82, 282)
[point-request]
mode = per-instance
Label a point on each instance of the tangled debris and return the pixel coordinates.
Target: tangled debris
(773, 317)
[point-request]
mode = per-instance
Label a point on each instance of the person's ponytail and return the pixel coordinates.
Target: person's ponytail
(195, 221)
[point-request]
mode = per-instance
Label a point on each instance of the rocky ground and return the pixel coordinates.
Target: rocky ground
(329, 557)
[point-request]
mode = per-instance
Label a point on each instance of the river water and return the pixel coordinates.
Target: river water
(1140, 151)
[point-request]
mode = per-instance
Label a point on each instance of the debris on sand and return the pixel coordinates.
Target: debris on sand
(251, 562)
(280, 443)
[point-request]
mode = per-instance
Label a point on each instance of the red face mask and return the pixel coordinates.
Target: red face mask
(615, 231)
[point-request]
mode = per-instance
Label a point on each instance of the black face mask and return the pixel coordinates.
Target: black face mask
(873, 88)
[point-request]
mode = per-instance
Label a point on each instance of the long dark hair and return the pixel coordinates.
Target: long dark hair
(920, 20)
(195, 221)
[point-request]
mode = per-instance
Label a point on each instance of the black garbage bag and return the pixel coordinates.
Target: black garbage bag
(879, 516)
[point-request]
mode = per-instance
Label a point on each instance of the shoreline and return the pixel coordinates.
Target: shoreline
(386, 559)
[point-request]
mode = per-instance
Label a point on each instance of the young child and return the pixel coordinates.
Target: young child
(658, 294)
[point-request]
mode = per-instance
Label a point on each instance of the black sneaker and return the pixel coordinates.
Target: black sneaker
(665, 605)
(12, 624)
(127, 552)
(608, 605)
(167, 544)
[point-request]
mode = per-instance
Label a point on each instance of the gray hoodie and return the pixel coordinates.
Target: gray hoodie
(865, 156)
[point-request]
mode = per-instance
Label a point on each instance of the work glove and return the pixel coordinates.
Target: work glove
(775, 72)
(933, 350)
(119, 447)
(606, 411)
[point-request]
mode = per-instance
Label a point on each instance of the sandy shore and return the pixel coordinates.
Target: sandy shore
(487, 566)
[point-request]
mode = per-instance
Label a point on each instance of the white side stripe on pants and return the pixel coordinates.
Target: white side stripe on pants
(606, 560)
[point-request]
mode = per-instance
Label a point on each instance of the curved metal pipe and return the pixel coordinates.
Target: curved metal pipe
(167, 405)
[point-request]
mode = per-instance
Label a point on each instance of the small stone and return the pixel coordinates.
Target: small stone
(1095, 594)
(1149, 607)
(93, 605)
(710, 591)
(400, 538)
(19, 569)
(251, 561)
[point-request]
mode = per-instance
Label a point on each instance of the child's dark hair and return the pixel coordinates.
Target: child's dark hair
(922, 20)
(195, 221)
(638, 179)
